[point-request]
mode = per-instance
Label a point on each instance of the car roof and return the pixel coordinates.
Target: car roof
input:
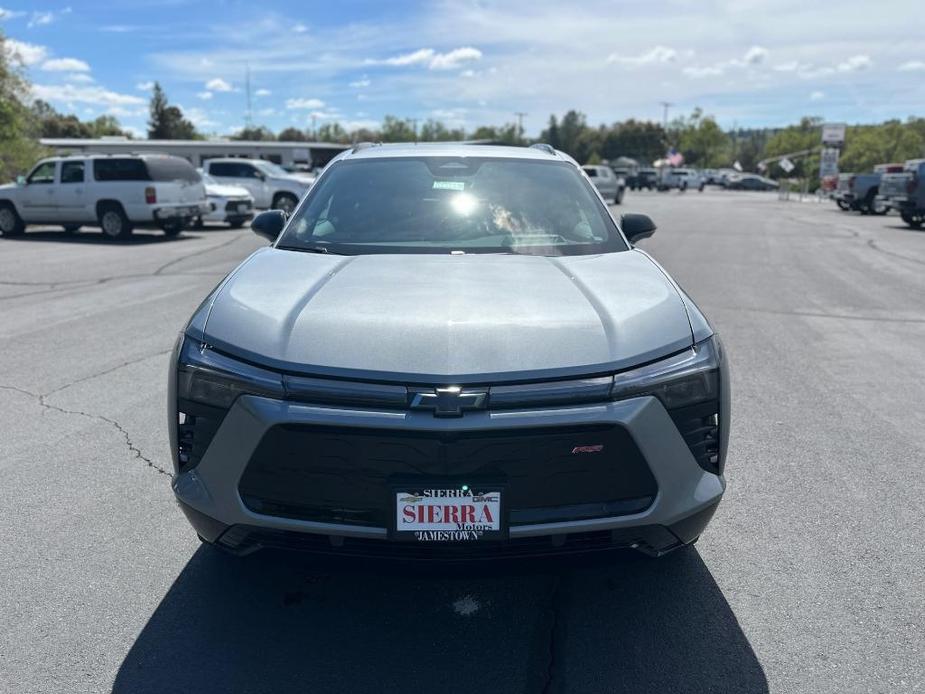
(451, 149)
(114, 155)
(236, 160)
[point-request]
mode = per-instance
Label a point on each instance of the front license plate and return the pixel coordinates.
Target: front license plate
(448, 515)
(242, 207)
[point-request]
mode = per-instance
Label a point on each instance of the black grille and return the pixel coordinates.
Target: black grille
(232, 205)
(344, 475)
(196, 428)
(699, 425)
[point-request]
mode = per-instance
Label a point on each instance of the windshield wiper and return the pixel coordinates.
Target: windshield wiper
(307, 249)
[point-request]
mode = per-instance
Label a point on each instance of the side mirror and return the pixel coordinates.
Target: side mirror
(269, 224)
(637, 227)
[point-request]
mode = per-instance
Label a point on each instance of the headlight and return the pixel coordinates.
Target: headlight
(203, 385)
(694, 388)
(684, 379)
(210, 378)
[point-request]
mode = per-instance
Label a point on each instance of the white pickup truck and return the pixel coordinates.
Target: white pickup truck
(116, 192)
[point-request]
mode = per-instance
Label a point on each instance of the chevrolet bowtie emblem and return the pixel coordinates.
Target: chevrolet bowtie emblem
(449, 401)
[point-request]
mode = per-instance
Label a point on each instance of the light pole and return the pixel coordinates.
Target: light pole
(665, 105)
(520, 125)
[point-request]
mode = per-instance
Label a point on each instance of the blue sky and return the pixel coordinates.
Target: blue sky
(748, 62)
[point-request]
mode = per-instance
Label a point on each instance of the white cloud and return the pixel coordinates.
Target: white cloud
(423, 55)
(40, 19)
(656, 55)
(26, 53)
(912, 66)
(266, 112)
(700, 72)
(85, 95)
(9, 14)
(453, 59)
(145, 86)
(817, 96)
(330, 114)
(205, 96)
(262, 92)
(756, 55)
(360, 84)
(199, 118)
(789, 66)
(65, 65)
(217, 84)
(81, 77)
(300, 28)
(433, 60)
(292, 104)
(856, 63)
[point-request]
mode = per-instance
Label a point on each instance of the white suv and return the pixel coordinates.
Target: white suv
(116, 192)
(270, 185)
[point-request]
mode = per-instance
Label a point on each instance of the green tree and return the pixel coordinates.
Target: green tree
(167, 122)
(702, 141)
(640, 140)
(397, 130)
(869, 145)
(18, 148)
(291, 134)
(333, 132)
(255, 132)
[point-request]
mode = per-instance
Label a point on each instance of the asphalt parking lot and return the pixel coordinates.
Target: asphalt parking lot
(810, 578)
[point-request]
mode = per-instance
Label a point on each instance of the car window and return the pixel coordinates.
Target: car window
(248, 171)
(171, 169)
(115, 169)
(271, 169)
(592, 172)
(43, 173)
(225, 169)
(453, 204)
(72, 172)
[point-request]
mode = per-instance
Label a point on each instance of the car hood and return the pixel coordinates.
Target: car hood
(441, 318)
(290, 181)
(226, 191)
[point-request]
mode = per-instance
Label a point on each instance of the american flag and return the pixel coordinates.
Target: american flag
(675, 158)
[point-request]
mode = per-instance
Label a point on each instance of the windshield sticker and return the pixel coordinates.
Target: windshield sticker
(449, 185)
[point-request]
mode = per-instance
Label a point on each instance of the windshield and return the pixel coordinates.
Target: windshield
(453, 204)
(207, 178)
(271, 169)
(171, 169)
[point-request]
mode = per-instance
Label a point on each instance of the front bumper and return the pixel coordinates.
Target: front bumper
(180, 212)
(683, 503)
(229, 210)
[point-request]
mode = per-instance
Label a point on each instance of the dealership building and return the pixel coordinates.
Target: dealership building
(310, 154)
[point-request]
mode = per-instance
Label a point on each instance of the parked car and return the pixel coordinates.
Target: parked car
(860, 192)
(681, 179)
(748, 181)
(117, 192)
(270, 185)
(232, 205)
(325, 397)
(905, 192)
(842, 191)
(611, 186)
(642, 178)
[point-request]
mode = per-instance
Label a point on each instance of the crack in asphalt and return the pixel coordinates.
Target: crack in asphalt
(874, 245)
(555, 636)
(42, 399)
(158, 272)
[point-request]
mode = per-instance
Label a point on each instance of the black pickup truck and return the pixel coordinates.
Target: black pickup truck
(905, 192)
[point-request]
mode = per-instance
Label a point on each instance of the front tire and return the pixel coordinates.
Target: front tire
(842, 205)
(618, 198)
(11, 223)
(914, 220)
(114, 222)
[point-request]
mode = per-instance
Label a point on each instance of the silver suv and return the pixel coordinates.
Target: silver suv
(449, 352)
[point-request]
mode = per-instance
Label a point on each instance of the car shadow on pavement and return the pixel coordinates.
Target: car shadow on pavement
(94, 236)
(278, 623)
